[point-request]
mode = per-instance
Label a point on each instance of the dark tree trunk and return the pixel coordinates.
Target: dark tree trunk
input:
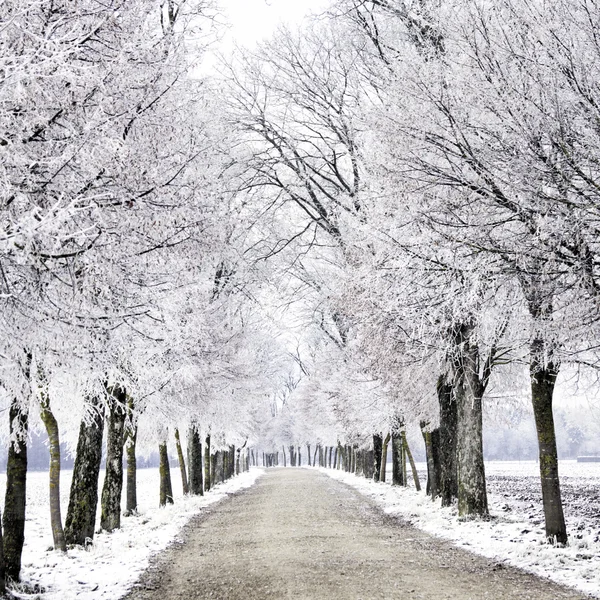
(83, 497)
(284, 457)
(184, 481)
(335, 459)
(444, 443)
(321, 456)
(330, 454)
(130, 451)
(308, 454)
(164, 469)
(432, 473)
(370, 464)
(468, 392)
(207, 477)
(315, 456)
(231, 462)
(110, 516)
(398, 459)
(194, 449)
(213, 468)
(543, 380)
(2, 566)
(299, 456)
(377, 449)
(51, 426)
(384, 451)
(16, 482)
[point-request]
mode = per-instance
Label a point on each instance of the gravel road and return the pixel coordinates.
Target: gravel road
(297, 534)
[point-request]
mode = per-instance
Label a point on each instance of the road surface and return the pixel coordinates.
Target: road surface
(298, 534)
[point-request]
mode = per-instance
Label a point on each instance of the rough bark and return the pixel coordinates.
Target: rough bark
(308, 454)
(181, 460)
(13, 521)
(83, 497)
(432, 473)
(468, 392)
(444, 443)
(51, 426)
(164, 469)
(110, 515)
(130, 451)
(384, 451)
(207, 476)
(369, 464)
(194, 450)
(398, 459)
(543, 380)
(377, 450)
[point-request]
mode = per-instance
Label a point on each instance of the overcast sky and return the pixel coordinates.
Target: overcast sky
(254, 20)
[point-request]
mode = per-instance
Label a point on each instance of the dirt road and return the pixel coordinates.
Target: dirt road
(297, 534)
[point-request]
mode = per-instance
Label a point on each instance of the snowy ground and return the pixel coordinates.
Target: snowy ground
(515, 534)
(114, 563)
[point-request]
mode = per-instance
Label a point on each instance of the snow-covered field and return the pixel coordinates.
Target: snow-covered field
(515, 533)
(110, 567)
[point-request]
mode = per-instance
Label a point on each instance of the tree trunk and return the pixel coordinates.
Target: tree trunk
(207, 478)
(321, 456)
(164, 469)
(330, 453)
(468, 392)
(16, 481)
(397, 459)
(369, 464)
(51, 426)
(384, 451)
(377, 450)
(432, 474)
(83, 497)
(194, 449)
(182, 468)
(110, 516)
(130, 448)
(299, 456)
(444, 443)
(543, 380)
(284, 457)
(411, 461)
(308, 454)
(335, 459)
(315, 456)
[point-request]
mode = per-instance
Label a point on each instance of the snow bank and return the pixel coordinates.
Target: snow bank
(515, 533)
(108, 569)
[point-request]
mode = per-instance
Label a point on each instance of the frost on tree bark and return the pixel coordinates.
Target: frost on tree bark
(543, 380)
(207, 475)
(377, 450)
(468, 392)
(83, 497)
(384, 451)
(444, 442)
(398, 459)
(51, 426)
(166, 490)
(13, 521)
(432, 466)
(130, 447)
(194, 448)
(110, 514)
(184, 481)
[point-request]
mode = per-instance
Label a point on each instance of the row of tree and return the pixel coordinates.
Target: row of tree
(426, 176)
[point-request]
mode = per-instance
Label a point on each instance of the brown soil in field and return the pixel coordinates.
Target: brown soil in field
(297, 534)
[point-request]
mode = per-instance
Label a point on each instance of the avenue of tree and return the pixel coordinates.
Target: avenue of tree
(385, 218)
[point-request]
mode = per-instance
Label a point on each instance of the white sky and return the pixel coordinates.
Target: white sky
(253, 20)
